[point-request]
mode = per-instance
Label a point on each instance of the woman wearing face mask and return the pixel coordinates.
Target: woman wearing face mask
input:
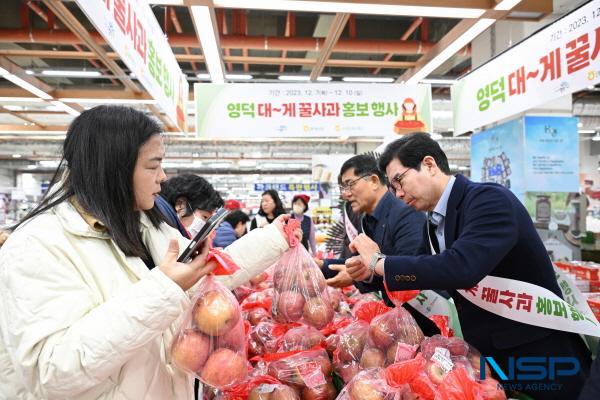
(270, 208)
(194, 200)
(299, 208)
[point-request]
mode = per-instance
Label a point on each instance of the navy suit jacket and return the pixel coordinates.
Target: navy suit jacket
(487, 232)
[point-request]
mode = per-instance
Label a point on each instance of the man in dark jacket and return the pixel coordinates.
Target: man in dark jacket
(474, 230)
(388, 221)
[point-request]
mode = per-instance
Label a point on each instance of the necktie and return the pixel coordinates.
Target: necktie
(434, 241)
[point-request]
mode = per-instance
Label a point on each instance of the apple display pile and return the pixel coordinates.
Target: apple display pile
(352, 347)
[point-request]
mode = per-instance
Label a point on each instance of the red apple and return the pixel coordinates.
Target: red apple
(382, 332)
(350, 348)
(289, 306)
(335, 297)
(190, 351)
(320, 392)
(457, 346)
(223, 368)
(435, 373)
(215, 313)
(284, 392)
(256, 315)
(331, 343)
(347, 371)
(317, 312)
(301, 338)
(372, 358)
(313, 282)
(363, 388)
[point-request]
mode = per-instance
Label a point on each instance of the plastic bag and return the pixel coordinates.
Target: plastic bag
(211, 342)
(300, 290)
(309, 368)
(403, 372)
(366, 310)
(265, 336)
(368, 384)
(253, 388)
(393, 336)
(300, 338)
(399, 297)
(350, 344)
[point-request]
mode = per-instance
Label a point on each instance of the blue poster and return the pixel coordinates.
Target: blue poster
(497, 156)
(551, 154)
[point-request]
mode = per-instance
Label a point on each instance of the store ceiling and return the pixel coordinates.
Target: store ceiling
(399, 40)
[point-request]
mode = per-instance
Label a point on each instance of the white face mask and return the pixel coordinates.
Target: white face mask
(196, 225)
(298, 209)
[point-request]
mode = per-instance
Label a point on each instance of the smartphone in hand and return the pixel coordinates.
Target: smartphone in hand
(196, 244)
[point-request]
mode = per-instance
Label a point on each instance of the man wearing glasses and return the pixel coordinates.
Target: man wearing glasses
(395, 227)
(473, 230)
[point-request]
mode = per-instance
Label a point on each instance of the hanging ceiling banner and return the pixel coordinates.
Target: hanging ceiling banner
(311, 110)
(131, 29)
(560, 59)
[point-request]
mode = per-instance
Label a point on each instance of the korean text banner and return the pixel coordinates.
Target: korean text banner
(131, 29)
(560, 59)
(309, 110)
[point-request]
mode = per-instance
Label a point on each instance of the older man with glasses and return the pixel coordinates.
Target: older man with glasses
(393, 225)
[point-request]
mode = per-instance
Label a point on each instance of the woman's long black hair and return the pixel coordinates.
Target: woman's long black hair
(99, 156)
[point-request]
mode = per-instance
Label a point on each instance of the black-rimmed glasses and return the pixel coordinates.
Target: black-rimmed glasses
(397, 179)
(345, 187)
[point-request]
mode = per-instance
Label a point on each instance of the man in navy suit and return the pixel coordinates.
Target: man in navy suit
(473, 230)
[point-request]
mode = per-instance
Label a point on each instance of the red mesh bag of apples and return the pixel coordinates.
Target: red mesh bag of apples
(210, 343)
(300, 290)
(308, 372)
(393, 336)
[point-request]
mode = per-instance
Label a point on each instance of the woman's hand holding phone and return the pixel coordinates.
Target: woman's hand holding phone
(186, 274)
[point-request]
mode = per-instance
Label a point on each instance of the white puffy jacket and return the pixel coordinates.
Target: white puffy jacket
(80, 320)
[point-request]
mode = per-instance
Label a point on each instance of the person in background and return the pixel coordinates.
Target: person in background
(233, 204)
(231, 229)
(270, 208)
(90, 286)
(193, 198)
(299, 208)
(473, 230)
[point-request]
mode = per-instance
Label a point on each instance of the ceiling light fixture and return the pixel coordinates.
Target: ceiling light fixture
(451, 49)
(16, 156)
(353, 8)
(203, 18)
(596, 137)
(21, 99)
(14, 108)
(367, 79)
(203, 76)
(439, 82)
(107, 101)
(238, 77)
(294, 78)
(71, 74)
(506, 5)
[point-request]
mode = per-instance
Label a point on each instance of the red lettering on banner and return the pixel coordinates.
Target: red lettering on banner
(524, 302)
(509, 298)
(473, 290)
(140, 43)
(331, 110)
(121, 14)
(519, 86)
(551, 64)
(305, 110)
(596, 44)
(490, 295)
(579, 56)
(264, 110)
(289, 109)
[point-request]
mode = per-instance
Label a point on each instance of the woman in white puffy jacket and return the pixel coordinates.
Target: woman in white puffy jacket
(90, 289)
